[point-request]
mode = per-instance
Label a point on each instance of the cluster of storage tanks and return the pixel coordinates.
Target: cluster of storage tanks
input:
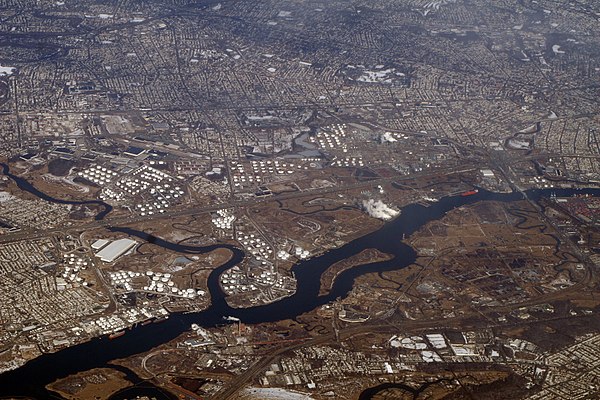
(223, 219)
(98, 175)
(157, 282)
(72, 265)
(162, 283)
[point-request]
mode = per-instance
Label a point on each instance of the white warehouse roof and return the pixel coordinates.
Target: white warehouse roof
(100, 243)
(115, 249)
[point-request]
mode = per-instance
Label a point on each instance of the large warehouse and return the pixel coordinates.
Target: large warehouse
(115, 249)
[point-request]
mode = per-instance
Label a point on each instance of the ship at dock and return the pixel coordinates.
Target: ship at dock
(115, 335)
(470, 192)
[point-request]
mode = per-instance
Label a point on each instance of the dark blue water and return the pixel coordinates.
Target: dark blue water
(32, 377)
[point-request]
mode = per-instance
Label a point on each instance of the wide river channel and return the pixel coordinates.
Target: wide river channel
(30, 379)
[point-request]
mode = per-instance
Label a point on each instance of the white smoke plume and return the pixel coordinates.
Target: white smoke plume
(378, 209)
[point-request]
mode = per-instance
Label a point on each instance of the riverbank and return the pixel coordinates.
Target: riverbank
(387, 239)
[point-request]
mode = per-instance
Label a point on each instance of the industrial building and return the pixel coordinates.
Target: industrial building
(100, 243)
(115, 249)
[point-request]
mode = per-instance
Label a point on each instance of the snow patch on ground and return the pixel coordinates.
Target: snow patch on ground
(387, 137)
(556, 49)
(4, 71)
(382, 76)
(5, 197)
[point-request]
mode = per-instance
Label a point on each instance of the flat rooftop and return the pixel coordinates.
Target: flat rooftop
(115, 249)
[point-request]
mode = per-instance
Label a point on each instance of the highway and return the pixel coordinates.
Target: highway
(251, 374)
(35, 234)
(501, 164)
(463, 323)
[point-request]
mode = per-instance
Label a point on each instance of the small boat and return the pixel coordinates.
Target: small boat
(470, 192)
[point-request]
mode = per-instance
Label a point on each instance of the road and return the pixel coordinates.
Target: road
(35, 234)
(500, 162)
(464, 322)
(259, 367)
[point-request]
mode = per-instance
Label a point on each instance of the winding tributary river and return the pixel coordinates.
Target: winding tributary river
(30, 379)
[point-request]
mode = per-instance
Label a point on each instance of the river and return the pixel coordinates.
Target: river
(30, 379)
(25, 185)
